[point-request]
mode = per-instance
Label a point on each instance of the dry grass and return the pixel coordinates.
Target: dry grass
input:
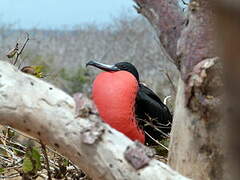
(13, 149)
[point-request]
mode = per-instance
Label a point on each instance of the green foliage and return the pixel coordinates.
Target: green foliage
(44, 62)
(38, 71)
(76, 80)
(27, 165)
(26, 162)
(161, 150)
(1, 170)
(65, 162)
(32, 161)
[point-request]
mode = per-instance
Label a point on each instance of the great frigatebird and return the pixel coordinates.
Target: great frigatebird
(128, 105)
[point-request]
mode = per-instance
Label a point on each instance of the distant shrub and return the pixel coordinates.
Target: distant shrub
(76, 80)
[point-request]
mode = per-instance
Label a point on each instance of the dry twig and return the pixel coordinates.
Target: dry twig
(21, 50)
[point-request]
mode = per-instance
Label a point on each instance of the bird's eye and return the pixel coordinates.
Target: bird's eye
(121, 67)
(124, 67)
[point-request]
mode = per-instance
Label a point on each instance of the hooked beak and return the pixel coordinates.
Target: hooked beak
(102, 66)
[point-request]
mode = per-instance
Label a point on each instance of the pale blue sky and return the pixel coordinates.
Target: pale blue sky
(57, 13)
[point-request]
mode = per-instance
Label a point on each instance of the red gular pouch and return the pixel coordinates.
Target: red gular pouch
(114, 94)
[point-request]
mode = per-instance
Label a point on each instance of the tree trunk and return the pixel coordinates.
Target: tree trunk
(197, 143)
(196, 148)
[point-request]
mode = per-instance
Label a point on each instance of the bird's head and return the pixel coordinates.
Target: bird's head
(121, 66)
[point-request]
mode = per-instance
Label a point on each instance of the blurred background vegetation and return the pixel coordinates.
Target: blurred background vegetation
(63, 53)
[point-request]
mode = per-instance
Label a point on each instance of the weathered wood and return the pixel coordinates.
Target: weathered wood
(197, 144)
(167, 20)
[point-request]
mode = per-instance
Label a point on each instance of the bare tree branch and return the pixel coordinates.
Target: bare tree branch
(196, 42)
(21, 50)
(44, 151)
(171, 82)
(167, 19)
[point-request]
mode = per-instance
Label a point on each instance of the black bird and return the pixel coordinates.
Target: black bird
(152, 116)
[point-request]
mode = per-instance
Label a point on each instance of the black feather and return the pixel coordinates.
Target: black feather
(152, 115)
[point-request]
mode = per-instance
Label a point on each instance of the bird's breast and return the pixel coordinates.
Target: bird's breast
(114, 94)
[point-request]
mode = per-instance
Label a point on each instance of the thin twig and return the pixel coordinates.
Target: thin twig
(155, 127)
(42, 176)
(155, 119)
(14, 143)
(10, 147)
(46, 158)
(21, 50)
(171, 82)
(184, 3)
(12, 161)
(10, 176)
(20, 64)
(5, 159)
(156, 141)
(159, 130)
(24, 135)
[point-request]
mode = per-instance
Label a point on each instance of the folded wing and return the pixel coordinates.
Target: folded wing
(152, 115)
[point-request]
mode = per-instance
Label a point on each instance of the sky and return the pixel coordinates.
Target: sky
(55, 14)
